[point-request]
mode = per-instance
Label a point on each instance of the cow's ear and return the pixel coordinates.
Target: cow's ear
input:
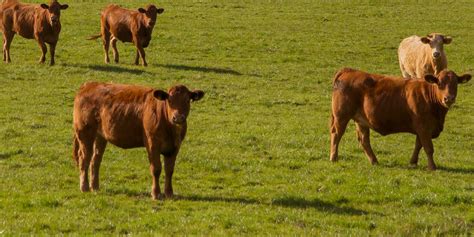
(160, 10)
(464, 78)
(64, 6)
(44, 6)
(197, 95)
(431, 79)
(425, 40)
(141, 10)
(447, 40)
(160, 95)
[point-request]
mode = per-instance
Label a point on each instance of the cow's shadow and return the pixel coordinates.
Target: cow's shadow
(109, 68)
(200, 69)
(290, 202)
(456, 170)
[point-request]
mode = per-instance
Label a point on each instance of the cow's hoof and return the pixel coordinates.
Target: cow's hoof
(85, 189)
(432, 168)
(374, 162)
(169, 196)
(158, 196)
(413, 165)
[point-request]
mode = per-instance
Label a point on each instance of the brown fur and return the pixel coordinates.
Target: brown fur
(31, 21)
(416, 55)
(117, 23)
(130, 116)
(392, 105)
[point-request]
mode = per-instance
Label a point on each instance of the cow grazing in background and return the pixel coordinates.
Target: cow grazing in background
(117, 23)
(392, 105)
(419, 56)
(128, 117)
(31, 21)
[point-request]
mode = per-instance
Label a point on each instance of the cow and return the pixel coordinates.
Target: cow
(130, 116)
(390, 105)
(117, 23)
(31, 21)
(423, 55)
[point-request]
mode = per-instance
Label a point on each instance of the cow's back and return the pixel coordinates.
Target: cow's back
(115, 111)
(414, 56)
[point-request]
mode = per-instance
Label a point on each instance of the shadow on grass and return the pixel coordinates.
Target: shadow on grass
(457, 170)
(291, 202)
(200, 69)
(297, 202)
(108, 68)
(6, 155)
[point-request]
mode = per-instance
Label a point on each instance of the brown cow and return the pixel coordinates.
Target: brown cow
(31, 21)
(130, 116)
(117, 23)
(392, 105)
(423, 55)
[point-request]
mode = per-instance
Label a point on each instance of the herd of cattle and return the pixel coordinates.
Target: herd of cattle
(131, 116)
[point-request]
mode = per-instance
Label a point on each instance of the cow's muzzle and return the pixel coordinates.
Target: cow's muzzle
(178, 119)
(449, 100)
(436, 54)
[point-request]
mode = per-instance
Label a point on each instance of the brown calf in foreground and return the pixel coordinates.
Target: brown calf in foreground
(117, 23)
(392, 105)
(423, 55)
(31, 21)
(130, 116)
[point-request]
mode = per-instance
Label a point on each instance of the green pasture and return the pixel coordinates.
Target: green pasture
(256, 157)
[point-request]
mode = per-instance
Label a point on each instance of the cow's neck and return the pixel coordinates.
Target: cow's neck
(176, 132)
(439, 63)
(436, 104)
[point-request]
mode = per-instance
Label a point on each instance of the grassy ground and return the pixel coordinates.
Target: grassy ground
(256, 158)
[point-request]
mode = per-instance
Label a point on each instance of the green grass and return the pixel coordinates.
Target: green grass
(256, 157)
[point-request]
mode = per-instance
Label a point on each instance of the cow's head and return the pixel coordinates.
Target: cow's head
(178, 100)
(150, 14)
(447, 83)
(54, 10)
(436, 42)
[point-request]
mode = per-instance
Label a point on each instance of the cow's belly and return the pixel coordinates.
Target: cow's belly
(25, 31)
(385, 125)
(123, 35)
(124, 132)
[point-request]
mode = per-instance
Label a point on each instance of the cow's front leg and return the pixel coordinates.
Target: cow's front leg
(43, 50)
(169, 170)
(52, 51)
(141, 51)
(155, 169)
(427, 144)
(416, 152)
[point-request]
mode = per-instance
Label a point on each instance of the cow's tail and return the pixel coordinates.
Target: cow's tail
(93, 37)
(75, 150)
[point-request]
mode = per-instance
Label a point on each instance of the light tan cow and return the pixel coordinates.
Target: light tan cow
(423, 55)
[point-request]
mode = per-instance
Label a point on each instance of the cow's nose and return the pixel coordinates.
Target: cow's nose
(178, 118)
(436, 54)
(449, 99)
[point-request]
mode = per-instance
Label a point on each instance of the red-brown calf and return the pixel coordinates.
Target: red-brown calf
(128, 117)
(392, 105)
(31, 21)
(117, 23)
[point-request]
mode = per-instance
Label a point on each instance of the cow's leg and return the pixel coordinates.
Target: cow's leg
(86, 143)
(427, 144)
(43, 50)
(363, 135)
(99, 147)
(416, 152)
(141, 51)
(155, 167)
(169, 169)
(113, 42)
(338, 127)
(52, 51)
(106, 43)
(7, 41)
(137, 57)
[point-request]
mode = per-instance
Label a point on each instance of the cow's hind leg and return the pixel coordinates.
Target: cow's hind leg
(106, 43)
(338, 127)
(363, 135)
(52, 51)
(113, 42)
(7, 41)
(99, 147)
(416, 152)
(43, 50)
(86, 142)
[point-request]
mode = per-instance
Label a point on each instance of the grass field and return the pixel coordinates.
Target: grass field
(256, 157)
